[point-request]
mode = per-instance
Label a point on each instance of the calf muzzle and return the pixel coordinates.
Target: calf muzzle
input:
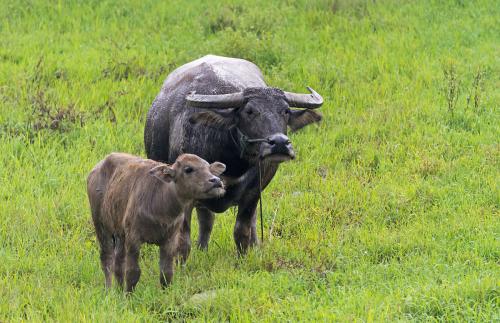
(217, 183)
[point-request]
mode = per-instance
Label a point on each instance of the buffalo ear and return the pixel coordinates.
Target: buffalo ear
(301, 118)
(217, 168)
(214, 119)
(164, 173)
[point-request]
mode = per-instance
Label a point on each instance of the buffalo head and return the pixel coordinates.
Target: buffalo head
(258, 119)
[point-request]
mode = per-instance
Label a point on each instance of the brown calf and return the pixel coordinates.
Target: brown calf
(135, 201)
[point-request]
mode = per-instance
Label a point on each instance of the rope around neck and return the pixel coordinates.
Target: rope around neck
(260, 203)
(242, 143)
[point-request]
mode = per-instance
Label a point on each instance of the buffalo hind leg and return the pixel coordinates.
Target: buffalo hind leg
(243, 226)
(205, 224)
(184, 246)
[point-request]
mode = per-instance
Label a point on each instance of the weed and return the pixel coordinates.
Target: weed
(222, 19)
(452, 87)
(475, 92)
(248, 46)
(45, 116)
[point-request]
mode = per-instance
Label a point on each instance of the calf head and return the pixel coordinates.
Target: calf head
(259, 118)
(193, 176)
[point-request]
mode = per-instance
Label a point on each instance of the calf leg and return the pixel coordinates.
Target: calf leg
(106, 253)
(166, 264)
(243, 226)
(119, 260)
(184, 246)
(132, 270)
(206, 223)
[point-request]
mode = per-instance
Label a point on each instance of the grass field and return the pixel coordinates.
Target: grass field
(390, 212)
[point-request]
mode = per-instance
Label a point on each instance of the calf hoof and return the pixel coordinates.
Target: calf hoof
(132, 278)
(183, 253)
(165, 280)
(107, 283)
(119, 281)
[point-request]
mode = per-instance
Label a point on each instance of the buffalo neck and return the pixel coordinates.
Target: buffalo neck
(233, 155)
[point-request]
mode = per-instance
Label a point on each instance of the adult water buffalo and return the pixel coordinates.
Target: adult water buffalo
(220, 108)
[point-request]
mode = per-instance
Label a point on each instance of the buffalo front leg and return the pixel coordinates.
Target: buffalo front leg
(206, 223)
(245, 219)
(166, 264)
(254, 240)
(132, 270)
(184, 246)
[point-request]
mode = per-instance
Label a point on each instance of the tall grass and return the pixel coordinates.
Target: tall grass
(390, 212)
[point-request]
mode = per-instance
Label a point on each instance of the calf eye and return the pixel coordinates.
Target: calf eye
(188, 170)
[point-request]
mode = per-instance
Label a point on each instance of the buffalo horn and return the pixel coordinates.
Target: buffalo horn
(218, 101)
(307, 101)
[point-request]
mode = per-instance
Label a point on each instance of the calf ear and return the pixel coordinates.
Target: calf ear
(301, 118)
(217, 168)
(214, 119)
(164, 173)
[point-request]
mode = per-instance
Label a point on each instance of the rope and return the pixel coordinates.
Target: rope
(260, 203)
(242, 143)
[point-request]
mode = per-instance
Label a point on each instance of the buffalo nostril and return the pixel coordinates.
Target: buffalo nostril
(278, 139)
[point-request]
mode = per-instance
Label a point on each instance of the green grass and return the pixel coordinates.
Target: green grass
(390, 212)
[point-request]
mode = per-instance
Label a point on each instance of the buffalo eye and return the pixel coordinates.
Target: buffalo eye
(250, 112)
(188, 170)
(286, 111)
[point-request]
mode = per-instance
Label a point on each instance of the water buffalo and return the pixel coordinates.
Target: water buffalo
(220, 108)
(134, 200)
